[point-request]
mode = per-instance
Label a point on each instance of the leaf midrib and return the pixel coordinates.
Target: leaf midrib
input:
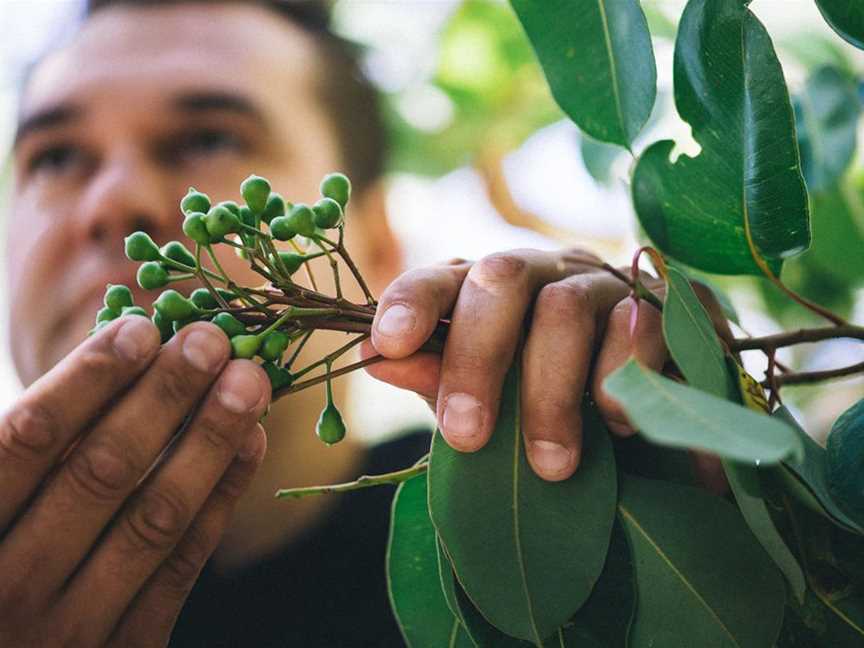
(711, 342)
(613, 72)
(624, 512)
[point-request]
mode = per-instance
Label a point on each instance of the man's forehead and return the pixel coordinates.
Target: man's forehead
(227, 45)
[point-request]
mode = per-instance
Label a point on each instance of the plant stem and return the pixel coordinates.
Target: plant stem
(333, 374)
(809, 377)
(202, 274)
(800, 336)
(299, 348)
(333, 355)
(364, 481)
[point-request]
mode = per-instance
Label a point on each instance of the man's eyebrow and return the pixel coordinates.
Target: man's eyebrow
(45, 119)
(218, 100)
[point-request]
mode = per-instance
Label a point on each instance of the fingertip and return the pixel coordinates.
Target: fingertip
(394, 330)
(551, 460)
(463, 422)
(255, 446)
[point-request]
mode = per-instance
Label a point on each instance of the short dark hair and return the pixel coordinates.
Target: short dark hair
(346, 93)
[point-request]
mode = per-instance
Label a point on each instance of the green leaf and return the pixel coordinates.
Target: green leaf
(740, 206)
(677, 415)
(827, 114)
(845, 461)
(527, 551)
(806, 478)
(701, 578)
(598, 60)
(846, 17)
(412, 572)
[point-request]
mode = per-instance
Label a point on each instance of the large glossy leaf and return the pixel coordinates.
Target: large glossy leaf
(412, 573)
(673, 414)
(701, 578)
(598, 60)
(741, 203)
(827, 113)
(806, 477)
(527, 551)
(846, 17)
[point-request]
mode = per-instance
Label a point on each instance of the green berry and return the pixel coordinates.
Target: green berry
(245, 346)
(196, 229)
(246, 216)
(173, 306)
(279, 376)
(202, 298)
(166, 331)
(338, 187)
(134, 310)
(140, 247)
(328, 213)
(274, 208)
(152, 275)
(301, 218)
(178, 252)
(292, 261)
(845, 456)
(117, 296)
(282, 229)
(106, 314)
(274, 345)
(230, 324)
(330, 428)
(231, 206)
(221, 221)
(194, 201)
(255, 191)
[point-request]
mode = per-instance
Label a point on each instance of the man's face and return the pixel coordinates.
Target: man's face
(115, 127)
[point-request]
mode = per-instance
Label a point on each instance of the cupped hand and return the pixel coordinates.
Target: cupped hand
(578, 331)
(104, 527)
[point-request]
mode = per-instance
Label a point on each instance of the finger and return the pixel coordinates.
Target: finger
(555, 366)
(153, 613)
(418, 373)
(645, 345)
(88, 488)
(52, 412)
(151, 524)
(410, 307)
(485, 326)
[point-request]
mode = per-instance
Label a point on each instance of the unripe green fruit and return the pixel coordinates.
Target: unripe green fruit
(274, 208)
(338, 187)
(279, 376)
(140, 247)
(301, 218)
(328, 213)
(117, 296)
(845, 453)
(176, 325)
(330, 428)
(231, 206)
(194, 201)
(230, 324)
(152, 275)
(245, 346)
(255, 191)
(134, 310)
(221, 221)
(106, 314)
(274, 345)
(292, 261)
(202, 298)
(282, 229)
(173, 306)
(196, 229)
(166, 331)
(246, 216)
(178, 252)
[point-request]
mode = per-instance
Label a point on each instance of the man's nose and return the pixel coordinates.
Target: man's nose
(126, 194)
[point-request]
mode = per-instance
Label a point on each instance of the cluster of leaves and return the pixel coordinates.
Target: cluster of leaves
(630, 551)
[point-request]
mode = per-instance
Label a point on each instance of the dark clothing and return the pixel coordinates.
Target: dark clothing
(328, 588)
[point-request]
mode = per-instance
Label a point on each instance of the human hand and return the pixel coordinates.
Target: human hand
(579, 333)
(94, 549)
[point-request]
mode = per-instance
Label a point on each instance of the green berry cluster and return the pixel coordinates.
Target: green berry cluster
(262, 323)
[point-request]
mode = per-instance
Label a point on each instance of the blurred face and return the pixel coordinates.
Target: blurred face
(115, 127)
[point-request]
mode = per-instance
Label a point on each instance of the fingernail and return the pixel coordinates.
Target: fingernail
(135, 339)
(551, 458)
(204, 350)
(463, 416)
(397, 320)
(251, 447)
(240, 389)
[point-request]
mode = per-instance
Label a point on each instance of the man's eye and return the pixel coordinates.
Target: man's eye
(54, 159)
(207, 142)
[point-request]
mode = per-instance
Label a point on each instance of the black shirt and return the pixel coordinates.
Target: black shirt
(328, 588)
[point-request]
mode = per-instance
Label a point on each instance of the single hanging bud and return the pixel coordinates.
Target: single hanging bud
(255, 191)
(194, 201)
(140, 247)
(338, 187)
(202, 298)
(245, 346)
(292, 261)
(301, 219)
(282, 229)
(328, 213)
(220, 221)
(117, 296)
(173, 306)
(230, 324)
(152, 275)
(196, 229)
(178, 252)
(330, 427)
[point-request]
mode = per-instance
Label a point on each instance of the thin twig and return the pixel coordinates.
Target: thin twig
(800, 336)
(364, 481)
(809, 377)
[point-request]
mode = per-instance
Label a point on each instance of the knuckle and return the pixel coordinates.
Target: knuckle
(232, 485)
(98, 361)
(496, 270)
(466, 361)
(567, 299)
(174, 386)
(219, 429)
(28, 430)
(181, 568)
(156, 522)
(104, 472)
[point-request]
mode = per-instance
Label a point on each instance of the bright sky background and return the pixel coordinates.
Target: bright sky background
(403, 36)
